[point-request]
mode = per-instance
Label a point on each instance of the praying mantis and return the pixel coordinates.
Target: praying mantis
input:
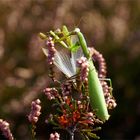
(96, 95)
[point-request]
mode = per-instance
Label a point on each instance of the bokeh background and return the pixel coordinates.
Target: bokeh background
(111, 26)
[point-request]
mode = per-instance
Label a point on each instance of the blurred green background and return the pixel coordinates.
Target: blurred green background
(111, 26)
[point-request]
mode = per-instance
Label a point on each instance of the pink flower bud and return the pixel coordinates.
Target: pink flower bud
(35, 111)
(4, 127)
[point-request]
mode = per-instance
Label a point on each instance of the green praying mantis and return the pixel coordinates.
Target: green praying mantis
(97, 100)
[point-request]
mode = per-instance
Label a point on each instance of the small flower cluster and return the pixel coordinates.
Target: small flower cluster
(54, 136)
(101, 62)
(110, 101)
(90, 119)
(51, 93)
(83, 65)
(66, 88)
(70, 116)
(74, 113)
(4, 127)
(35, 111)
(51, 50)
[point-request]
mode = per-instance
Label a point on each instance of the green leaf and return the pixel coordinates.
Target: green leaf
(53, 123)
(92, 135)
(86, 130)
(97, 128)
(59, 110)
(85, 137)
(68, 108)
(74, 104)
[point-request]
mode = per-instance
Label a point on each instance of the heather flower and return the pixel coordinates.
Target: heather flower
(106, 88)
(4, 127)
(51, 93)
(66, 88)
(51, 50)
(110, 103)
(90, 114)
(83, 65)
(101, 62)
(80, 105)
(54, 136)
(35, 111)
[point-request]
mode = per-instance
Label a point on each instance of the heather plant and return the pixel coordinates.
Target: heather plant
(5, 129)
(112, 27)
(80, 101)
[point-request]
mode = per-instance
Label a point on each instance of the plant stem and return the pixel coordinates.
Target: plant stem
(33, 127)
(72, 136)
(71, 132)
